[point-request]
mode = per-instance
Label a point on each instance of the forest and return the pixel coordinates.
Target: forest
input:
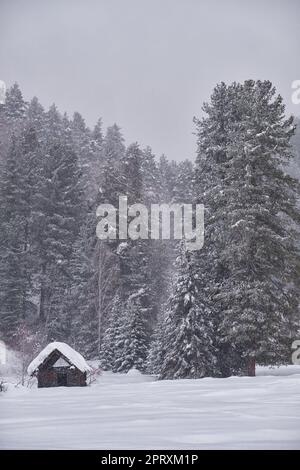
(153, 305)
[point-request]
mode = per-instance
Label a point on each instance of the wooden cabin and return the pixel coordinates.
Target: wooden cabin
(59, 365)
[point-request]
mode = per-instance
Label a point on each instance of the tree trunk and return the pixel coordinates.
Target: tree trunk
(251, 367)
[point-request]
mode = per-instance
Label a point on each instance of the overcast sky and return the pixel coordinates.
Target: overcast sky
(147, 65)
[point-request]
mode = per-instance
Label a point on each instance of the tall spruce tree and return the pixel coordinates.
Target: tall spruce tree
(134, 274)
(250, 203)
(213, 140)
(134, 337)
(58, 213)
(188, 348)
(260, 295)
(112, 345)
(12, 273)
(18, 185)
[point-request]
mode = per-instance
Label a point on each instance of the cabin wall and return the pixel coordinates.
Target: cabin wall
(50, 377)
(47, 378)
(76, 378)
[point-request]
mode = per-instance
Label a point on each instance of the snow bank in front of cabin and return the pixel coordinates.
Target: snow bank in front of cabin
(73, 356)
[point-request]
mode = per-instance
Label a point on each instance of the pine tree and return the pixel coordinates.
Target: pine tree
(188, 346)
(133, 259)
(183, 186)
(12, 115)
(15, 106)
(262, 294)
(112, 183)
(112, 347)
(134, 338)
(20, 180)
(213, 140)
(97, 134)
(14, 240)
(167, 173)
(58, 212)
(14, 283)
(250, 203)
(88, 153)
(97, 161)
(158, 345)
(82, 298)
(150, 177)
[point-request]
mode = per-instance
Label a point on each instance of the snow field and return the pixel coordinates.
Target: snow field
(133, 411)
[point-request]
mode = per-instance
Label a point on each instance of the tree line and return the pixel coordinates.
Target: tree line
(153, 304)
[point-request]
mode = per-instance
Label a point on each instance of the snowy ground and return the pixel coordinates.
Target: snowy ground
(134, 411)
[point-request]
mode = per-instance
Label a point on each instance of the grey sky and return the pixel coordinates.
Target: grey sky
(146, 64)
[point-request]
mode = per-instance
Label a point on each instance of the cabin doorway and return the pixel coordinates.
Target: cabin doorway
(62, 379)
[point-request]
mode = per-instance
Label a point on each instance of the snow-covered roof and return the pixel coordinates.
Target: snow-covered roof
(69, 353)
